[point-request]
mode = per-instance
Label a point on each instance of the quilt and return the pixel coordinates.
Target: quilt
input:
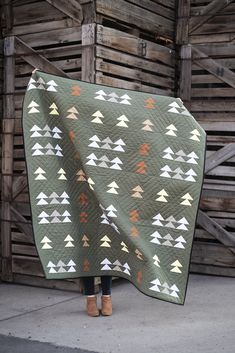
(115, 178)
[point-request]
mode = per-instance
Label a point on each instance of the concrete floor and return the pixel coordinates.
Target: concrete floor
(205, 324)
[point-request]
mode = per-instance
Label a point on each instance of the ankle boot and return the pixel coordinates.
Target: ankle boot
(91, 306)
(106, 305)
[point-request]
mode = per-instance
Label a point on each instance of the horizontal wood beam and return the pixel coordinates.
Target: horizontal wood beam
(36, 60)
(220, 156)
(71, 8)
(206, 13)
(203, 60)
(216, 230)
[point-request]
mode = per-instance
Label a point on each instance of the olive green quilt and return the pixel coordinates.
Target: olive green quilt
(115, 178)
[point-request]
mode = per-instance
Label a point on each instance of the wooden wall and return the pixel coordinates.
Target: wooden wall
(86, 42)
(207, 85)
(37, 29)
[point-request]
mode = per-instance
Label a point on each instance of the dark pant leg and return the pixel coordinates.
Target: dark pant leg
(106, 284)
(89, 285)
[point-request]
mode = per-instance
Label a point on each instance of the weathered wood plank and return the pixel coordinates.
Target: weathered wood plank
(156, 8)
(212, 38)
(215, 105)
(216, 117)
(40, 27)
(217, 49)
(114, 82)
(217, 126)
(212, 92)
(227, 62)
(169, 4)
(21, 237)
(219, 157)
(212, 254)
(57, 36)
(207, 12)
(222, 171)
(71, 8)
(23, 249)
(217, 204)
(227, 185)
(221, 72)
(218, 193)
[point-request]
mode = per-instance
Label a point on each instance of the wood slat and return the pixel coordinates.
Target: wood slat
(157, 8)
(212, 254)
(56, 36)
(40, 27)
(213, 105)
(114, 82)
(217, 50)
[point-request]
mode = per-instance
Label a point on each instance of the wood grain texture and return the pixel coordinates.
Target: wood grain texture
(207, 12)
(218, 70)
(71, 8)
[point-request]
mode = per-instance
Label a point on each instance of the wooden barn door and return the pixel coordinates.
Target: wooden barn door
(205, 36)
(35, 35)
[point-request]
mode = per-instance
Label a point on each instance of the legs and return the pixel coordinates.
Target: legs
(89, 291)
(106, 302)
(89, 286)
(106, 283)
